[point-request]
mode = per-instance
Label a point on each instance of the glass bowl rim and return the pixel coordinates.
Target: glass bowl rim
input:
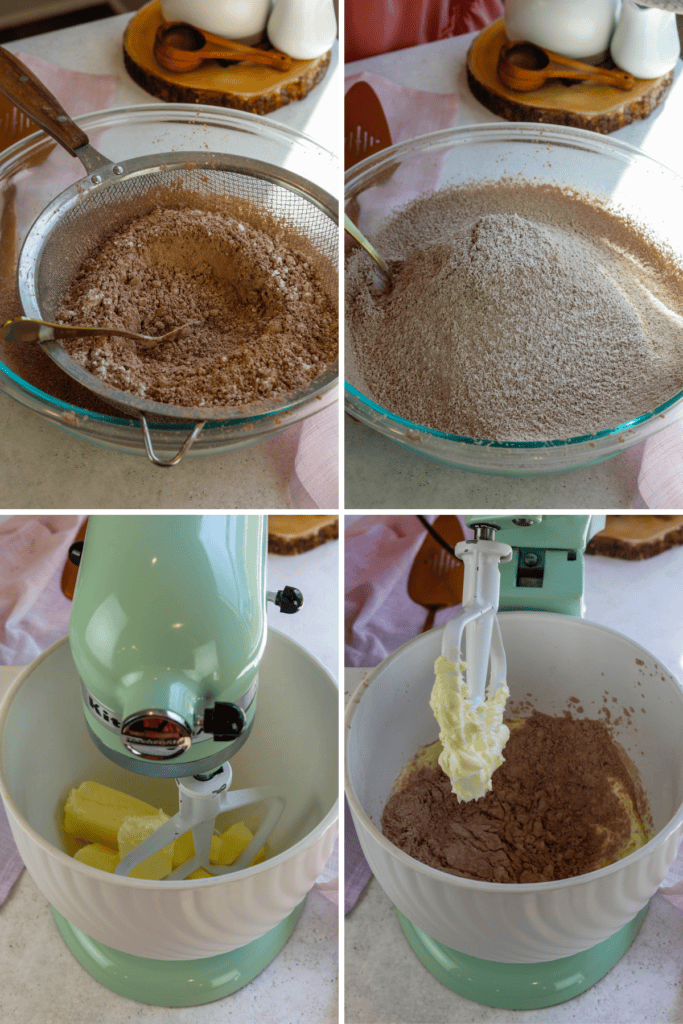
(591, 141)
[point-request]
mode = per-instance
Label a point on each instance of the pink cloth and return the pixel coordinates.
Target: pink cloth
(33, 610)
(409, 113)
(308, 456)
(379, 616)
(33, 614)
(660, 480)
(396, 24)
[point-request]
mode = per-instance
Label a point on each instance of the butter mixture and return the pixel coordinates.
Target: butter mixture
(103, 825)
(472, 738)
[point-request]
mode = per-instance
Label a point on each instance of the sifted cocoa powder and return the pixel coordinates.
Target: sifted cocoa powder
(264, 324)
(518, 313)
(552, 812)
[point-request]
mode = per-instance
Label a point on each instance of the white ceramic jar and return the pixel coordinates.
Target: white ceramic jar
(243, 21)
(645, 42)
(581, 29)
(304, 29)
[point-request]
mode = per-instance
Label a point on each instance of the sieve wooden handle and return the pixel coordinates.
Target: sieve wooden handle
(29, 94)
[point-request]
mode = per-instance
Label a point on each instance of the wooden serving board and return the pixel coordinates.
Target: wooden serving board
(596, 107)
(242, 86)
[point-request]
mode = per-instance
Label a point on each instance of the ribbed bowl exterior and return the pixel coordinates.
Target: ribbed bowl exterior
(45, 749)
(514, 926)
(175, 920)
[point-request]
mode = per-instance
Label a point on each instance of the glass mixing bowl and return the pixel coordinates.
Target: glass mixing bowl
(28, 182)
(614, 173)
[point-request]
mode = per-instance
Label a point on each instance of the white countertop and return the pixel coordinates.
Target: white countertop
(41, 981)
(43, 467)
(385, 983)
(379, 473)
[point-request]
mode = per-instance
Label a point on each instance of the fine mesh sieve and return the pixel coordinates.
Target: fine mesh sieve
(111, 194)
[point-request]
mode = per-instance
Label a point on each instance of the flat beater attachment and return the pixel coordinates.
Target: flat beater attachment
(200, 801)
(478, 617)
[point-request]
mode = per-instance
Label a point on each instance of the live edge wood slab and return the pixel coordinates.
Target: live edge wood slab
(243, 86)
(595, 107)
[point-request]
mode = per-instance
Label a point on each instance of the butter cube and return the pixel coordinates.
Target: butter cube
(96, 813)
(98, 856)
(184, 849)
(133, 831)
(232, 842)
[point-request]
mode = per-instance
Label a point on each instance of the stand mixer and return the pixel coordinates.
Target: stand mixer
(519, 946)
(157, 687)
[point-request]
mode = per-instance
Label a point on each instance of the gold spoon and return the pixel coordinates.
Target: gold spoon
(356, 233)
(23, 329)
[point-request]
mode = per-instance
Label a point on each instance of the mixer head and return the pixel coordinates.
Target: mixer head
(167, 632)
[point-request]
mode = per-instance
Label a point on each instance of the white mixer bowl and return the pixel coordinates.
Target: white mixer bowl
(45, 750)
(553, 657)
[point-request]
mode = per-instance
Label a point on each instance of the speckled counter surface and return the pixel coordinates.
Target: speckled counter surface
(379, 473)
(385, 983)
(40, 980)
(42, 467)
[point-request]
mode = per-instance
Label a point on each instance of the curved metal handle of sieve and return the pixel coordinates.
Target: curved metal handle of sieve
(151, 454)
(28, 93)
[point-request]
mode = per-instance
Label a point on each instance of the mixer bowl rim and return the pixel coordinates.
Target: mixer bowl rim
(674, 824)
(143, 883)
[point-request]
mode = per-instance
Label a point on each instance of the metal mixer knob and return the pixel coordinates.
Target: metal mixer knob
(156, 735)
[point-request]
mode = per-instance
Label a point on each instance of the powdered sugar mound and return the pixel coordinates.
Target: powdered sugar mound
(512, 325)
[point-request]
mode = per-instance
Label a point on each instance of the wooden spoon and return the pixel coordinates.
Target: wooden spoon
(365, 126)
(524, 67)
(180, 47)
(436, 577)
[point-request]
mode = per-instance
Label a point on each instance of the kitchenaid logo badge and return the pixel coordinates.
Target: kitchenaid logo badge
(100, 711)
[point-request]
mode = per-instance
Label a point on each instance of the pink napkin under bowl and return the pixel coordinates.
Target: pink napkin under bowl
(307, 455)
(409, 113)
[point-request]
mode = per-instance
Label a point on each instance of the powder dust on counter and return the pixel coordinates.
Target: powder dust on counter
(518, 313)
(102, 825)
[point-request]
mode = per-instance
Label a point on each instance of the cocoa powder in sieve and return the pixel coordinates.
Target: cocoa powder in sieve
(518, 313)
(265, 325)
(551, 813)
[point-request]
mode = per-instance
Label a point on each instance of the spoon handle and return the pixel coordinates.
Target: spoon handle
(27, 331)
(370, 250)
(560, 66)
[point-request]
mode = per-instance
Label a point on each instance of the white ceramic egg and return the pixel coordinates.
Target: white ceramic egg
(240, 20)
(575, 28)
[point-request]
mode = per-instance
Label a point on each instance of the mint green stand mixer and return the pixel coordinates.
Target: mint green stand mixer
(524, 945)
(167, 632)
(539, 567)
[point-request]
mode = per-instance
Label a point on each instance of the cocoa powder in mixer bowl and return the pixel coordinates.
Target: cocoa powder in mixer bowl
(552, 813)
